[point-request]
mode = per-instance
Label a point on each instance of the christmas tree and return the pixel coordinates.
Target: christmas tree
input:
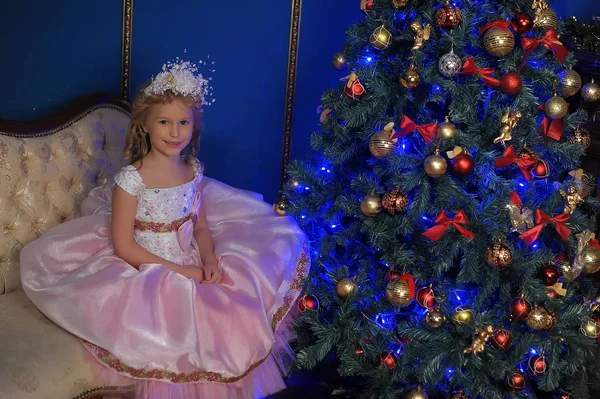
(451, 227)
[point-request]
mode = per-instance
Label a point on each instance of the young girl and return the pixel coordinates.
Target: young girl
(173, 281)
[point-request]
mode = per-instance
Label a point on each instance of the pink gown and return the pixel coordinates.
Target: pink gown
(158, 330)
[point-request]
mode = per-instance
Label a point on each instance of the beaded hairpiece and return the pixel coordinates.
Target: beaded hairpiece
(182, 77)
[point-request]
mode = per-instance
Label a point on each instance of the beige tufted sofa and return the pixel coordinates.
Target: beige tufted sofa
(46, 169)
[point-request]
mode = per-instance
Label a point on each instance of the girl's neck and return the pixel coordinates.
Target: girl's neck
(163, 161)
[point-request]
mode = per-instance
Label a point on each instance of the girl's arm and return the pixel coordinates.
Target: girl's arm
(204, 238)
(124, 206)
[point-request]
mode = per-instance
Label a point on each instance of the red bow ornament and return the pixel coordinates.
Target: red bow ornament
(524, 163)
(550, 41)
(502, 25)
(542, 219)
(552, 128)
(443, 222)
(407, 126)
(470, 69)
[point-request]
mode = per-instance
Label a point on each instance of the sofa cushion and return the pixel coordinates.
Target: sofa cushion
(45, 176)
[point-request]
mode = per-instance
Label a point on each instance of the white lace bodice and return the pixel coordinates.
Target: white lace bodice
(159, 213)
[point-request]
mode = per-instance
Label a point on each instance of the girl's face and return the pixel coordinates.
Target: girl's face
(170, 127)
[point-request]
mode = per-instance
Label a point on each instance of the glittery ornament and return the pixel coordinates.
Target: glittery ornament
(435, 318)
(399, 3)
(567, 272)
(458, 395)
(398, 292)
(569, 83)
(540, 318)
(345, 287)
(521, 218)
(545, 17)
(426, 297)
(382, 144)
(417, 394)
(590, 259)
(498, 42)
(308, 302)
(516, 381)
(371, 204)
(590, 92)
(519, 308)
(502, 339)
(538, 365)
(499, 255)
(463, 315)
(410, 78)
(590, 328)
(448, 16)
(381, 38)
(450, 64)
(522, 23)
(435, 165)
(394, 201)
(482, 335)
(580, 136)
(511, 83)
(556, 107)
(339, 61)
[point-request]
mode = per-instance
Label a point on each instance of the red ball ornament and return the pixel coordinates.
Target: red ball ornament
(502, 339)
(522, 23)
(541, 170)
(355, 90)
(448, 16)
(516, 382)
(389, 359)
(308, 302)
(463, 164)
(538, 365)
(549, 274)
(520, 308)
(392, 274)
(552, 294)
(511, 83)
(561, 394)
(426, 297)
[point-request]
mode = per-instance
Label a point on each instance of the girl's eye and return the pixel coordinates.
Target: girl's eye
(164, 122)
(184, 122)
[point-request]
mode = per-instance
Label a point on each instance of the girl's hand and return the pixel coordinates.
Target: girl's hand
(194, 272)
(212, 272)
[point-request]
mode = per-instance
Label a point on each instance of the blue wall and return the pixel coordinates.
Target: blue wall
(241, 142)
(56, 51)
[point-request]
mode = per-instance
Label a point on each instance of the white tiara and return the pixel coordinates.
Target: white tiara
(182, 77)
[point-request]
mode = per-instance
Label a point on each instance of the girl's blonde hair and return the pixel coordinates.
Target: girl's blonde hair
(137, 141)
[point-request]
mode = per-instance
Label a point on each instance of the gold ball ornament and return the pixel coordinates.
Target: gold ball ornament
(499, 255)
(399, 3)
(398, 292)
(447, 130)
(395, 201)
(590, 92)
(590, 328)
(371, 204)
(280, 207)
(345, 287)
(556, 107)
(498, 42)
(435, 319)
(463, 315)
(381, 144)
(540, 319)
(381, 38)
(435, 165)
(590, 259)
(339, 61)
(569, 83)
(565, 269)
(417, 394)
(410, 78)
(546, 19)
(580, 136)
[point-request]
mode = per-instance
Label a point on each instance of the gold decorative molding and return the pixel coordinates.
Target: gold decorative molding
(290, 86)
(126, 49)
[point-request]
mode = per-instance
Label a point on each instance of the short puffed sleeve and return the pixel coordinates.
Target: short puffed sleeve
(129, 179)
